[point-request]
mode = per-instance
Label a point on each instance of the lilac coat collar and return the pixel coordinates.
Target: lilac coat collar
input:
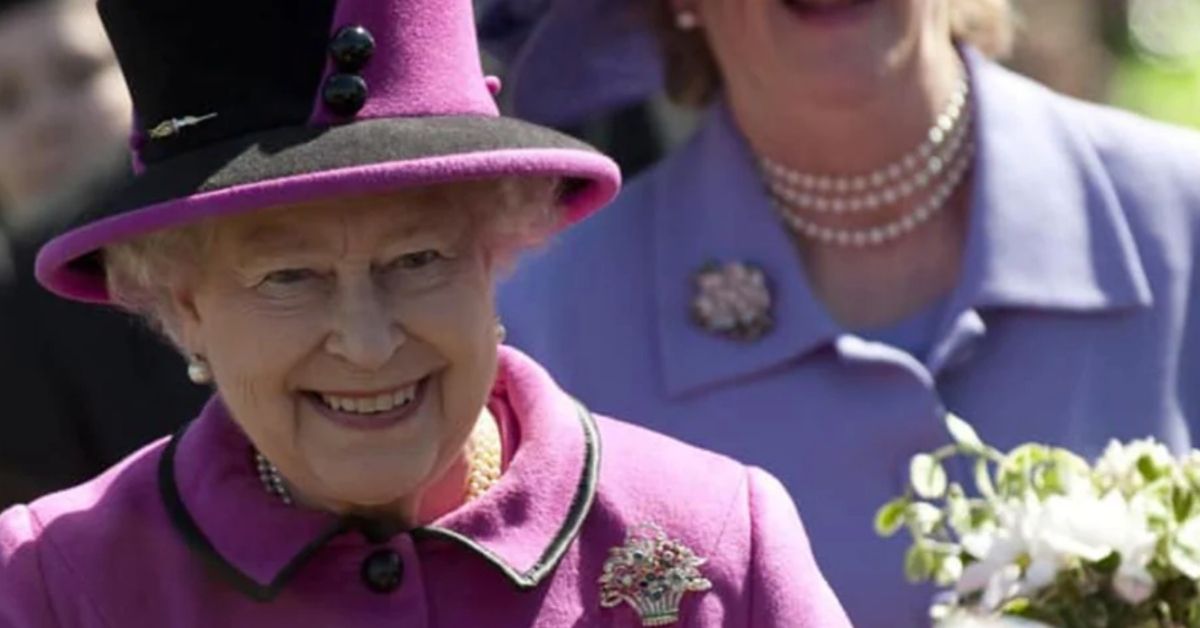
(206, 474)
(710, 206)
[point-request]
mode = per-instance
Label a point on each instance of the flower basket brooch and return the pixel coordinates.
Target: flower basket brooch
(651, 573)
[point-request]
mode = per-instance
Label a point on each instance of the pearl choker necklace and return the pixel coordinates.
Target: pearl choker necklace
(938, 165)
(484, 459)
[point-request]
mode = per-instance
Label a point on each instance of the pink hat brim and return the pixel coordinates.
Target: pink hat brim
(62, 263)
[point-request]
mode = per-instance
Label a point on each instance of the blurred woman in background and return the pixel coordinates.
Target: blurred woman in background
(874, 224)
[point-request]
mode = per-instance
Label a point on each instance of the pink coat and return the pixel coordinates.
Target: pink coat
(182, 534)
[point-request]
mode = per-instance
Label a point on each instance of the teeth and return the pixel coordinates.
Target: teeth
(371, 405)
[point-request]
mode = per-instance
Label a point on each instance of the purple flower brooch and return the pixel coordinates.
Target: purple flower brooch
(733, 300)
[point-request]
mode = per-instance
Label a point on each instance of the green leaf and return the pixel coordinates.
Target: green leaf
(1191, 614)
(958, 509)
(949, 570)
(963, 434)
(981, 513)
(1014, 471)
(1181, 503)
(1145, 466)
(927, 476)
(918, 564)
(1047, 480)
(983, 479)
(1109, 563)
(1015, 606)
(890, 517)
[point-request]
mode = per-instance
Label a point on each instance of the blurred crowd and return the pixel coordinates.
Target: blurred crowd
(64, 119)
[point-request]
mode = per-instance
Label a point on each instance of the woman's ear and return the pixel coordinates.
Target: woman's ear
(183, 321)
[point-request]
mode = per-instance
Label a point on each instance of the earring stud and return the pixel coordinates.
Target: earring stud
(687, 20)
(198, 370)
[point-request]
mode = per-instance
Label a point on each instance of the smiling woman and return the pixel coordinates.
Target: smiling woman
(327, 293)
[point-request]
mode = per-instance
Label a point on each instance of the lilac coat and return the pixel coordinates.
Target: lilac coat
(182, 534)
(1076, 319)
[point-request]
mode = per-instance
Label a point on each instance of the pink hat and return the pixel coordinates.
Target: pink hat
(246, 104)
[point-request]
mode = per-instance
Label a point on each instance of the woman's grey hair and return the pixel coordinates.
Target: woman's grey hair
(505, 217)
(693, 78)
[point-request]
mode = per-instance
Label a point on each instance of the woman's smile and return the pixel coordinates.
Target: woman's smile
(825, 10)
(370, 410)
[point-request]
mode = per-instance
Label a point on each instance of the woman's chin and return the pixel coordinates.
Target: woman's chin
(367, 485)
(367, 494)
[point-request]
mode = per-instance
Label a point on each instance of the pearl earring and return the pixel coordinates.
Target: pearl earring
(501, 332)
(198, 370)
(686, 20)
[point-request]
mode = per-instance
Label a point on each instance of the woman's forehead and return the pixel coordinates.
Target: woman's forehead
(369, 220)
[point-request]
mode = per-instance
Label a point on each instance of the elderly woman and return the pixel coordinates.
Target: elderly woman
(873, 224)
(321, 212)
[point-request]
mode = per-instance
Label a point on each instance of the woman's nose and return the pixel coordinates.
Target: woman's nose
(365, 332)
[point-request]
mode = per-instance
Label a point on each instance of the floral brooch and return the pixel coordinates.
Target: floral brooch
(733, 300)
(651, 573)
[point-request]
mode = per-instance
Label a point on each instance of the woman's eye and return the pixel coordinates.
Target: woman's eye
(287, 277)
(417, 260)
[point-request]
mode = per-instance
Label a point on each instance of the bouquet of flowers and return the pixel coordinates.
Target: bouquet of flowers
(1047, 539)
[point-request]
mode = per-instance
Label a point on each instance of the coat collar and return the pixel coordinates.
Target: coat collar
(1037, 169)
(206, 473)
(1047, 231)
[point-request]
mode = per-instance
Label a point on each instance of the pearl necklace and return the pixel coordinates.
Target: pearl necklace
(780, 180)
(484, 460)
(947, 152)
(880, 234)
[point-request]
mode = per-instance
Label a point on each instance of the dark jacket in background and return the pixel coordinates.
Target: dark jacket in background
(81, 386)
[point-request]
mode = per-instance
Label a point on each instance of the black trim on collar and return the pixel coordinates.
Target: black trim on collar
(581, 504)
(585, 495)
(200, 544)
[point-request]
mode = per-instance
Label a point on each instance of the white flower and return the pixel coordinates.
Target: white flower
(1053, 535)
(1092, 528)
(1117, 467)
(997, 550)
